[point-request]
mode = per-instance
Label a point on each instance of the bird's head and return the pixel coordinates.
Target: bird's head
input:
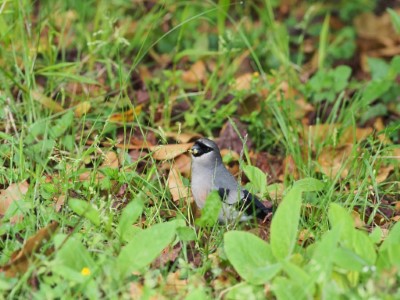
(205, 151)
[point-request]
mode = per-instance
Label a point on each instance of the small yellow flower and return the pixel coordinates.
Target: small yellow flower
(85, 271)
(256, 74)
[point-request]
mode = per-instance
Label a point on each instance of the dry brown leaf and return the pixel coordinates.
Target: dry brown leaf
(331, 160)
(350, 135)
(229, 138)
(21, 259)
(126, 116)
(47, 102)
(136, 290)
(378, 29)
(183, 165)
(397, 207)
(169, 254)
(169, 151)
(276, 191)
(395, 218)
(290, 168)
(358, 222)
(320, 132)
(196, 74)
(82, 108)
(383, 173)
(176, 187)
(233, 154)
(87, 175)
(14, 192)
(59, 203)
(243, 82)
(174, 284)
(110, 160)
(305, 235)
(303, 108)
(144, 73)
(182, 137)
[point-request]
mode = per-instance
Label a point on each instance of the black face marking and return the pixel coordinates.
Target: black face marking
(200, 148)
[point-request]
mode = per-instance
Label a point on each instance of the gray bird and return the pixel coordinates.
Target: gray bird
(209, 173)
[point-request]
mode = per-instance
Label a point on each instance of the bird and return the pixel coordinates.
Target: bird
(208, 173)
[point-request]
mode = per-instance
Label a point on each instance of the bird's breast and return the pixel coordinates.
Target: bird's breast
(202, 182)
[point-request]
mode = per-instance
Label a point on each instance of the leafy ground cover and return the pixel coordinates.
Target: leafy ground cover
(100, 101)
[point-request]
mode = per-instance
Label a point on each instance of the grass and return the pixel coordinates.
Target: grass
(82, 80)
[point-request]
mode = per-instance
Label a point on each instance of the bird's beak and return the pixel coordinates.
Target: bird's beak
(194, 150)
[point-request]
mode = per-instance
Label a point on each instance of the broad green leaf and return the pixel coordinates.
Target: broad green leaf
(364, 247)
(339, 217)
(378, 67)
(257, 178)
(376, 235)
(323, 42)
(186, 234)
(341, 76)
(309, 185)
(145, 246)
(72, 254)
(387, 257)
(394, 255)
(348, 260)
(321, 263)
(299, 276)
(85, 209)
(250, 256)
(393, 238)
(197, 294)
(375, 89)
(62, 124)
(210, 211)
(129, 216)
(245, 290)
(7, 284)
(395, 19)
(284, 224)
(288, 289)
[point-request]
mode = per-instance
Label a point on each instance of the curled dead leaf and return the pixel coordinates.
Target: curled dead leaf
(47, 102)
(183, 164)
(110, 160)
(243, 82)
(21, 259)
(59, 203)
(383, 173)
(358, 222)
(197, 73)
(126, 116)
(82, 108)
(169, 151)
(176, 187)
(182, 137)
(136, 290)
(14, 192)
(290, 168)
(334, 161)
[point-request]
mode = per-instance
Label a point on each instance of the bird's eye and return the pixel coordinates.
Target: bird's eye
(199, 149)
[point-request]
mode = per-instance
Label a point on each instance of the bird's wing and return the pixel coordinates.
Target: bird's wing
(224, 194)
(226, 186)
(253, 206)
